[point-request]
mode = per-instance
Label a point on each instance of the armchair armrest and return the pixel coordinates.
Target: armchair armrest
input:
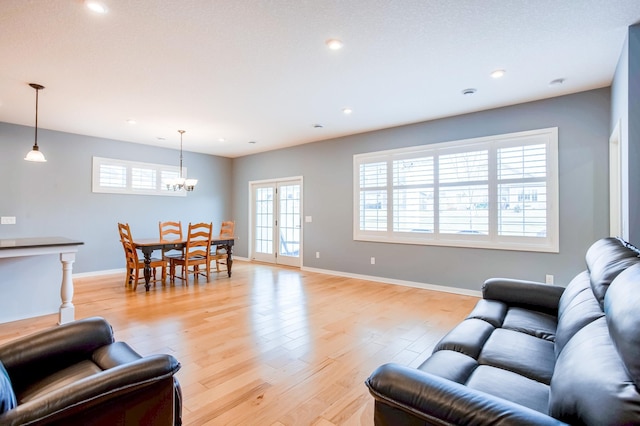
(524, 293)
(436, 400)
(100, 392)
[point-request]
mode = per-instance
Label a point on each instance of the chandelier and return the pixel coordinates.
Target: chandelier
(179, 183)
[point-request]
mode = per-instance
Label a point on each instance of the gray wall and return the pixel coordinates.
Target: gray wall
(634, 133)
(55, 198)
(625, 108)
(583, 122)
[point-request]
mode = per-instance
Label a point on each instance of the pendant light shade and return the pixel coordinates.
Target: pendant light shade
(35, 155)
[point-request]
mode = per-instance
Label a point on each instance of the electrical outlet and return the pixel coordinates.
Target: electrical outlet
(8, 220)
(373, 260)
(548, 279)
(317, 255)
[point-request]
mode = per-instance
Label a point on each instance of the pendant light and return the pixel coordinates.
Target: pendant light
(35, 155)
(181, 182)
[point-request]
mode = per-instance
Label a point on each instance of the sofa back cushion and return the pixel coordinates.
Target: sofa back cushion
(596, 377)
(577, 308)
(590, 384)
(7, 395)
(607, 258)
(622, 310)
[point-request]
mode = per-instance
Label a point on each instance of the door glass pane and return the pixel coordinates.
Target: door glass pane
(289, 220)
(264, 220)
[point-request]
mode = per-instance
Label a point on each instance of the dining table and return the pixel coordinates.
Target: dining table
(148, 245)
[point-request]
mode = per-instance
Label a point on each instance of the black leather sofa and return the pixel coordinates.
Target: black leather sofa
(76, 374)
(531, 354)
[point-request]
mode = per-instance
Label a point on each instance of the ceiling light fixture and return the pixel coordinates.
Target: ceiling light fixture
(35, 155)
(95, 6)
(468, 92)
(498, 74)
(556, 82)
(179, 183)
(347, 111)
(334, 44)
(131, 121)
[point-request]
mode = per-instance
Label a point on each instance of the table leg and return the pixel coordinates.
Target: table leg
(147, 267)
(67, 310)
(229, 260)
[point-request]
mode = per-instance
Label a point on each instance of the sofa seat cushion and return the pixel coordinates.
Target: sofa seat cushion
(533, 323)
(468, 337)
(58, 380)
(514, 363)
(519, 353)
(510, 386)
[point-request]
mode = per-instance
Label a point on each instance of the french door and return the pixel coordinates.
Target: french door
(276, 221)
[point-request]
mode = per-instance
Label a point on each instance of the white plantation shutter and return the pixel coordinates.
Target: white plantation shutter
(133, 177)
(113, 176)
(494, 192)
(413, 195)
(373, 196)
(463, 192)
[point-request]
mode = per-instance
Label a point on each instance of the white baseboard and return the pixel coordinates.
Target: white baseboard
(454, 290)
(98, 273)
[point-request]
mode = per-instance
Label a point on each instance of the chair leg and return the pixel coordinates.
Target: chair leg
(135, 278)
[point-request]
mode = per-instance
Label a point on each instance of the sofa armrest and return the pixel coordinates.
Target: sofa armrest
(436, 400)
(46, 351)
(523, 293)
(101, 391)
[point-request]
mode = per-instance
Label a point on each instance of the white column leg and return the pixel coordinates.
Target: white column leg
(67, 310)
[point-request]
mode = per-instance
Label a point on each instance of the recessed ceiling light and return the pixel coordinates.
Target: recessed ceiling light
(131, 121)
(318, 126)
(469, 91)
(498, 73)
(95, 6)
(557, 82)
(222, 140)
(160, 138)
(347, 111)
(334, 44)
(252, 142)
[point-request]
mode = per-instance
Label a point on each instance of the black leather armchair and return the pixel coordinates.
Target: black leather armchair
(77, 374)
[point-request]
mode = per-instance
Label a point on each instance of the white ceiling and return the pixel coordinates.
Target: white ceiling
(259, 70)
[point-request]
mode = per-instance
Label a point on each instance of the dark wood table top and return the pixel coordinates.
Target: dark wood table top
(13, 243)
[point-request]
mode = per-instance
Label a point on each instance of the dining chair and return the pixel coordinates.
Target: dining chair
(219, 254)
(133, 262)
(170, 231)
(196, 252)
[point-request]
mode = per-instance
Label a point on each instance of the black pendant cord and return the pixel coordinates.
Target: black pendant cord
(36, 136)
(37, 87)
(181, 133)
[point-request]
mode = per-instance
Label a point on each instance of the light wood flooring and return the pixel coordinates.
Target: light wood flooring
(271, 345)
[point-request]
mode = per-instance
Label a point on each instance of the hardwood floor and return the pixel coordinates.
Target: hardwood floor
(271, 345)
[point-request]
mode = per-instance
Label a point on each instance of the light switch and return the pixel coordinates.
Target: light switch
(307, 219)
(8, 220)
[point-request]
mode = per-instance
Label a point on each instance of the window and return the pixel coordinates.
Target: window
(497, 192)
(133, 177)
